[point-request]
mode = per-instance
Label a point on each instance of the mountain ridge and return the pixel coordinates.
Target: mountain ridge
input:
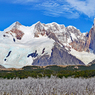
(23, 41)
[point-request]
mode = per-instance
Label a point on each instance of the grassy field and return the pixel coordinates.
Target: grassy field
(58, 71)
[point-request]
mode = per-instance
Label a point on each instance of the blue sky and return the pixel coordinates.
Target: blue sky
(78, 13)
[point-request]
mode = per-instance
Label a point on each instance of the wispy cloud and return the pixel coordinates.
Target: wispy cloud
(66, 8)
(86, 7)
(54, 8)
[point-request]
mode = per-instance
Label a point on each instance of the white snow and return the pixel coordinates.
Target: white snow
(73, 36)
(18, 57)
(10, 27)
(21, 48)
(28, 33)
(70, 26)
(85, 57)
(69, 40)
(84, 33)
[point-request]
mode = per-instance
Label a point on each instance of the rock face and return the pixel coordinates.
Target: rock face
(92, 37)
(14, 32)
(59, 56)
(39, 29)
(68, 35)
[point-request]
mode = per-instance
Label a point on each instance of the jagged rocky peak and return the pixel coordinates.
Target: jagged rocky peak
(74, 30)
(12, 26)
(91, 37)
(94, 21)
(62, 26)
(16, 25)
(62, 34)
(39, 29)
(38, 24)
(56, 26)
(94, 24)
(13, 31)
(78, 40)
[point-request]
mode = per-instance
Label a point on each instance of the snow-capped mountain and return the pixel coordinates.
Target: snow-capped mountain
(45, 44)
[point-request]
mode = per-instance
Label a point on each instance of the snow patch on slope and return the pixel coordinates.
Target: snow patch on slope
(73, 36)
(10, 27)
(85, 57)
(28, 33)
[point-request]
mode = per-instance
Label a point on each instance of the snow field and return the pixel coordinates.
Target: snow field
(85, 57)
(18, 57)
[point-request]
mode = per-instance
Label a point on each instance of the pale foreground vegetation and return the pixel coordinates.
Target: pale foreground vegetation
(47, 86)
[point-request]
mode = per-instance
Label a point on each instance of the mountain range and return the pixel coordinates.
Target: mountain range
(46, 44)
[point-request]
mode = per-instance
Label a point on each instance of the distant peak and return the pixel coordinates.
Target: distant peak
(38, 22)
(54, 23)
(93, 26)
(14, 25)
(94, 21)
(69, 26)
(17, 23)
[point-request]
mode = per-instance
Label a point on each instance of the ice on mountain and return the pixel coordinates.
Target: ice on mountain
(43, 43)
(18, 57)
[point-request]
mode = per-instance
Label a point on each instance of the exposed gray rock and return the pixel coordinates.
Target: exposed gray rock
(92, 40)
(59, 56)
(2, 67)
